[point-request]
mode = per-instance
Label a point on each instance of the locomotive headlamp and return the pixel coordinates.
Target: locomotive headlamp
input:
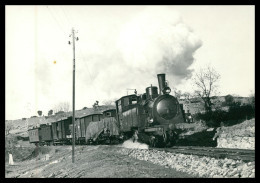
(166, 90)
(151, 120)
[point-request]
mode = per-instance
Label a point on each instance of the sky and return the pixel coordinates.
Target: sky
(120, 48)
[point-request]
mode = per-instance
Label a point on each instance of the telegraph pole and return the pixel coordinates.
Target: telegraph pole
(73, 95)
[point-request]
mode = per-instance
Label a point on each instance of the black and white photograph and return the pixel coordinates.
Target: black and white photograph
(129, 91)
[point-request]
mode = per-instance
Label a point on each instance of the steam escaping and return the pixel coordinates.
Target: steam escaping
(134, 145)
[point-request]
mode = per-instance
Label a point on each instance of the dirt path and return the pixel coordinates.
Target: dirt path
(90, 161)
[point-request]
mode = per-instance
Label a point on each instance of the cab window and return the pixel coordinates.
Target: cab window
(133, 100)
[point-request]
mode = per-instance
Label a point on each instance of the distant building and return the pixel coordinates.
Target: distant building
(192, 107)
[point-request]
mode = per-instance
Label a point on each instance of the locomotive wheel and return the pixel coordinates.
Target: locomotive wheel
(160, 142)
(152, 141)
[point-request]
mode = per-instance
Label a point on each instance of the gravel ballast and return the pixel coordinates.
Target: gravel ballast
(200, 166)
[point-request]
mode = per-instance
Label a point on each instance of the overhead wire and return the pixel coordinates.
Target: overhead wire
(67, 17)
(80, 51)
(56, 20)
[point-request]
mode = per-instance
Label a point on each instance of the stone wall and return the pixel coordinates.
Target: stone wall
(241, 136)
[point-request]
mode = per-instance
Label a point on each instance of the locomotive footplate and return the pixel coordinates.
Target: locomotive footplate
(154, 129)
(158, 130)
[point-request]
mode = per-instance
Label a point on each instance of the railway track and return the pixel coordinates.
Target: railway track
(245, 155)
(236, 154)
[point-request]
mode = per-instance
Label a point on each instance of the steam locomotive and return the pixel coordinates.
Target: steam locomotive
(152, 114)
(150, 118)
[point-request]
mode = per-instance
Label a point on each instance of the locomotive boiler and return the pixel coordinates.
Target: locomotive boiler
(152, 114)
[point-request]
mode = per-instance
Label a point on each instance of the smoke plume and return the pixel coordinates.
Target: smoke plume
(115, 54)
(154, 41)
(158, 41)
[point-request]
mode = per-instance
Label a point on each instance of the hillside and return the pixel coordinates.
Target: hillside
(196, 105)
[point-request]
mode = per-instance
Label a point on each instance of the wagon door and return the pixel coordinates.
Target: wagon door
(54, 131)
(59, 130)
(82, 127)
(134, 113)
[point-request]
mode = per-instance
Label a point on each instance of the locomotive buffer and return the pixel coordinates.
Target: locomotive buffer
(73, 94)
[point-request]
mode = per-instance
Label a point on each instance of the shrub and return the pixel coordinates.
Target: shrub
(235, 115)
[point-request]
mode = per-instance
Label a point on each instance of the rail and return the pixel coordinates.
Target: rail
(222, 153)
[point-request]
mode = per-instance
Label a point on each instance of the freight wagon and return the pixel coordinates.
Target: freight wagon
(105, 131)
(41, 135)
(34, 136)
(81, 124)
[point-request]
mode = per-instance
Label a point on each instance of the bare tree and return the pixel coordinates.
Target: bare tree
(177, 93)
(109, 102)
(39, 113)
(8, 127)
(206, 84)
(62, 106)
(252, 100)
(50, 112)
(187, 96)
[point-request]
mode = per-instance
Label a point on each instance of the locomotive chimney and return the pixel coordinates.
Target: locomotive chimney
(161, 81)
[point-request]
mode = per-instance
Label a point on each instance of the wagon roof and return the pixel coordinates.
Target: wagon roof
(33, 128)
(91, 111)
(87, 114)
(108, 110)
(126, 96)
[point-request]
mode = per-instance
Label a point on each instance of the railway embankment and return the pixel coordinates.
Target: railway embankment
(195, 134)
(100, 161)
(194, 165)
(240, 136)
